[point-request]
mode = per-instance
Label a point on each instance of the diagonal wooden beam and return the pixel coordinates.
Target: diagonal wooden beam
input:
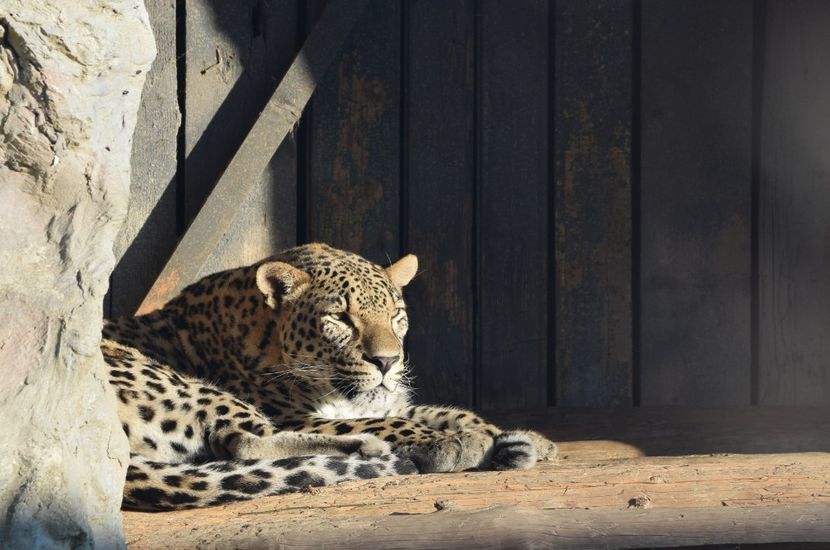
(280, 115)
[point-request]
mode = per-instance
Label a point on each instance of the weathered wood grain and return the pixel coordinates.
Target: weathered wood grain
(236, 54)
(794, 201)
(695, 247)
(593, 120)
(353, 170)
(509, 527)
(439, 152)
(148, 235)
(513, 192)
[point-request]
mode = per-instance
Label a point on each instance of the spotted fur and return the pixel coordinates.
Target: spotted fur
(284, 375)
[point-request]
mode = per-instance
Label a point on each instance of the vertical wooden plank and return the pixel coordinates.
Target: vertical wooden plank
(513, 196)
(593, 203)
(794, 206)
(440, 172)
(148, 235)
(696, 97)
(353, 173)
(237, 53)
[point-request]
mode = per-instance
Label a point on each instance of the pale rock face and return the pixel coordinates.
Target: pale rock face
(71, 74)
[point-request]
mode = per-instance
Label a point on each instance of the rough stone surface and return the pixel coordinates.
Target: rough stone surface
(71, 75)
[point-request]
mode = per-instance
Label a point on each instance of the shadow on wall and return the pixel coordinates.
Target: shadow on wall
(228, 59)
(235, 57)
(671, 431)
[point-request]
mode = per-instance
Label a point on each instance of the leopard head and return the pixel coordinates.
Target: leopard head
(341, 319)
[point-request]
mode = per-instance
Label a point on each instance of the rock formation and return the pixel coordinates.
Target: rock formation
(71, 75)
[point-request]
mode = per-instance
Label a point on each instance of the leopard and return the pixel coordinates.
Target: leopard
(282, 376)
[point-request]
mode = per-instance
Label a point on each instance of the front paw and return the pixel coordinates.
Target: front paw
(369, 446)
(520, 450)
(452, 453)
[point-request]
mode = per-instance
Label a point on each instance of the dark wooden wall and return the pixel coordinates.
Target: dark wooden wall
(614, 202)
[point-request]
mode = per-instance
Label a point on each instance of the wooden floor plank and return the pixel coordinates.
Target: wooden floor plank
(671, 486)
(508, 527)
(602, 486)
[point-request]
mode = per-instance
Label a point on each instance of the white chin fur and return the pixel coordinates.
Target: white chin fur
(371, 404)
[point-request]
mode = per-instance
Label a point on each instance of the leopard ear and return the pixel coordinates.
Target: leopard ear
(402, 271)
(281, 282)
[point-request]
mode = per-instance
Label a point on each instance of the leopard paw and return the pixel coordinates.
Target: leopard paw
(453, 453)
(369, 446)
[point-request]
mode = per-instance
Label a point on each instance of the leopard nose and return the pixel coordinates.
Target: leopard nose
(383, 363)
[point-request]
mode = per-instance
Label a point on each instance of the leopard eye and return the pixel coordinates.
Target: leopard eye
(344, 318)
(338, 328)
(400, 321)
(340, 321)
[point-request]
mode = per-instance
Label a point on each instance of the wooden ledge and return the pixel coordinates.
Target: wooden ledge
(602, 490)
(500, 527)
